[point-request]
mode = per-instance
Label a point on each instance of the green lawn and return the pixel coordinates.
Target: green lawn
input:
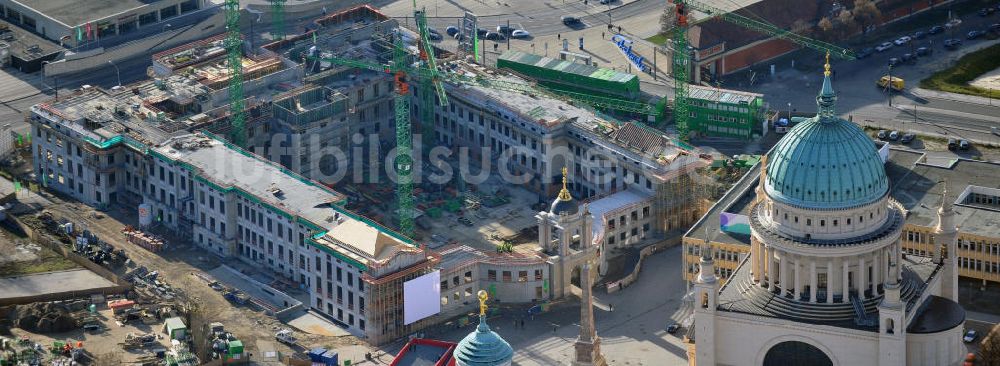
(658, 39)
(956, 79)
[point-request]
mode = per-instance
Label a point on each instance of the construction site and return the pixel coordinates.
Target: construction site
(372, 153)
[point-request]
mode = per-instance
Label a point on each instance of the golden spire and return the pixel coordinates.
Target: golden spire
(482, 302)
(826, 68)
(564, 193)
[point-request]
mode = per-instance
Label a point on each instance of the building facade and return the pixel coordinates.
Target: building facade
(826, 281)
(78, 23)
(726, 113)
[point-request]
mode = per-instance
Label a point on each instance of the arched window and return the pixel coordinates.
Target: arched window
(796, 353)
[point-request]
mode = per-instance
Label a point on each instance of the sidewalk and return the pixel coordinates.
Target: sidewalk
(927, 93)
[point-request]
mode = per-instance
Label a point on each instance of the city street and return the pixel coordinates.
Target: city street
(923, 111)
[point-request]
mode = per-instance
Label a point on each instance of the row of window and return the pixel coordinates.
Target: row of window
(522, 276)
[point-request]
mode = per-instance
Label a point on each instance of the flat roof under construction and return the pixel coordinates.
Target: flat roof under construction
(722, 95)
(567, 66)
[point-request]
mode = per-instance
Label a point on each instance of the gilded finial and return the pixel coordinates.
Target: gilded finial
(826, 67)
(482, 302)
(564, 193)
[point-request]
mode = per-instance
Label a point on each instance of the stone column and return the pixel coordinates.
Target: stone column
(754, 261)
(798, 277)
(773, 270)
(812, 280)
(829, 281)
(845, 263)
(768, 256)
(862, 277)
(876, 271)
(784, 272)
(899, 263)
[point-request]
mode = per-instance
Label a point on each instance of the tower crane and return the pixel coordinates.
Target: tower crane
(234, 48)
(682, 60)
(278, 19)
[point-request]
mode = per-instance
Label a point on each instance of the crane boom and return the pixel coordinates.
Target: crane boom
(772, 30)
(682, 55)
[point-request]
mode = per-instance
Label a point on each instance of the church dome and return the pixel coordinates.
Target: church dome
(564, 203)
(483, 347)
(826, 162)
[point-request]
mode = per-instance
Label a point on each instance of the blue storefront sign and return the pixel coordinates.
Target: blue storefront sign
(625, 45)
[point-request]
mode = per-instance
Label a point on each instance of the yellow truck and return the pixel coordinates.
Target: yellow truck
(896, 84)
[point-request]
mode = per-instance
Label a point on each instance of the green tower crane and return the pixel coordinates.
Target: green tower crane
(234, 46)
(681, 54)
(278, 19)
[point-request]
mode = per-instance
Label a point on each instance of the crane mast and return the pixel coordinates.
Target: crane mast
(234, 48)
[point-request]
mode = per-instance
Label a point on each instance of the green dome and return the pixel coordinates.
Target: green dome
(826, 162)
(483, 347)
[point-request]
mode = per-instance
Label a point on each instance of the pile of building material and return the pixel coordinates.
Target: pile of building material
(19, 351)
(224, 344)
(133, 340)
(143, 239)
(47, 317)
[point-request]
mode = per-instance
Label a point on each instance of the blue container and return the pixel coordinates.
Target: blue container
(330, 358)
(316, 354)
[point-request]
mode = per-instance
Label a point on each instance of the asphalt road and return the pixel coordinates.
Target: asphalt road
(946, 116)
(539, 18)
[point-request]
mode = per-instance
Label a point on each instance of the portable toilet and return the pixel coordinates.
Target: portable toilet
(330, 358)
(316, 354)
(235, 348)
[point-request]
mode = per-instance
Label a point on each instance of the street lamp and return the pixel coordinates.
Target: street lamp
(117, 72)
(789, 111)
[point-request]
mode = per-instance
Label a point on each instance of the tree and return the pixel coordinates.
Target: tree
(866, 13)
(989, 350)
(826, 27)
(668, 18)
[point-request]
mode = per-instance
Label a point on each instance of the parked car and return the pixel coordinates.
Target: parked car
(520, 33)
(884, 46)
(494, 36)
(434, 35)
(505, 30)
(570, 21)
(894, 135)
(995, 27)
(963, 144)
(882, 134)
(974, 34)
(952, 43)
(451, 31)
(894, 61)
(970, 336)
(953, 23)
(907, 137)
(673, 328)
(865, 52)
(908, 57)
(935, 29)
(985, 12)
(952, 144)
(481, 32)
(902, 40)
(606, 2)
(919, 35)
(924, 51)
